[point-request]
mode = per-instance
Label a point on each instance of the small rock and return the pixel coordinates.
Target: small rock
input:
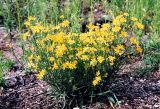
(153, 88)
(147, 106)
(10, 90)
(158, 83)
(11, 82)
(156, 105)
(18, 72)
(142, 80)
(131, 78)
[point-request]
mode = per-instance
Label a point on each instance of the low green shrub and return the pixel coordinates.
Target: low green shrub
(5, 65)
(151, 56)
(77, 65)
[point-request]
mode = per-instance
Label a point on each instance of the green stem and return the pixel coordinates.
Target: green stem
(18, 15)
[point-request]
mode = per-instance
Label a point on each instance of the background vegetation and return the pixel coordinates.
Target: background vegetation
(14, 12)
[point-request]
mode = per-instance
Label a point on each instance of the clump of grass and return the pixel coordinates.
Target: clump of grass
(5, 65)
(151, 56)
(1, 70)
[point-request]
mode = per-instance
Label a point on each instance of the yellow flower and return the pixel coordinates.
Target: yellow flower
(55, 66)
(41, 74)
(97, 79)
(105, 26)
(85, 57)
(138, 25)
(71, 42)
(72, 65)
(134, 19)
(65, 23)
(116, 29)
(111, 59)
(30, 58)
(93, 62)
(125, 14)
(30, 64)
(51, 59)
(56, 27)
(100, 59)
(37, 28)
(79, 54)
(116, 22)
(65, 65)
(139, 50)
(27, 23)
(61, 50)
(97, 73)
(122, 20)
(133, 40)
(31, 18)
(62, 17)
(123, 34)
(90, 26)
(38, 58)
(119, 49)
(25, 36)
(94, 82)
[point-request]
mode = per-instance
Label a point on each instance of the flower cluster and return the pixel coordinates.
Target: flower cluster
(62, 53)
(97, 79)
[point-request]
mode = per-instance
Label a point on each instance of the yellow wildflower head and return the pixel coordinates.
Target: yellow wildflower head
(119, 49)
(123, 34)
(62, 17)
(116, 29)
(30, 18)
(100, 59)
(41, 74)
(125, 14)
(55, 66)
(65, 23)
(98, 73)
(25, 36)
(27, 23)
(134, 41)
(97, 79)
(134, 19)
(38, 58)
(111, 59)
(94, 82)
(138, 25)
(51, 59)
(93, 62)
(139, 49)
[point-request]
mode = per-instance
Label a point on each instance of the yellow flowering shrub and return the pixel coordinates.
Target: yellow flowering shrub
(73, 62)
